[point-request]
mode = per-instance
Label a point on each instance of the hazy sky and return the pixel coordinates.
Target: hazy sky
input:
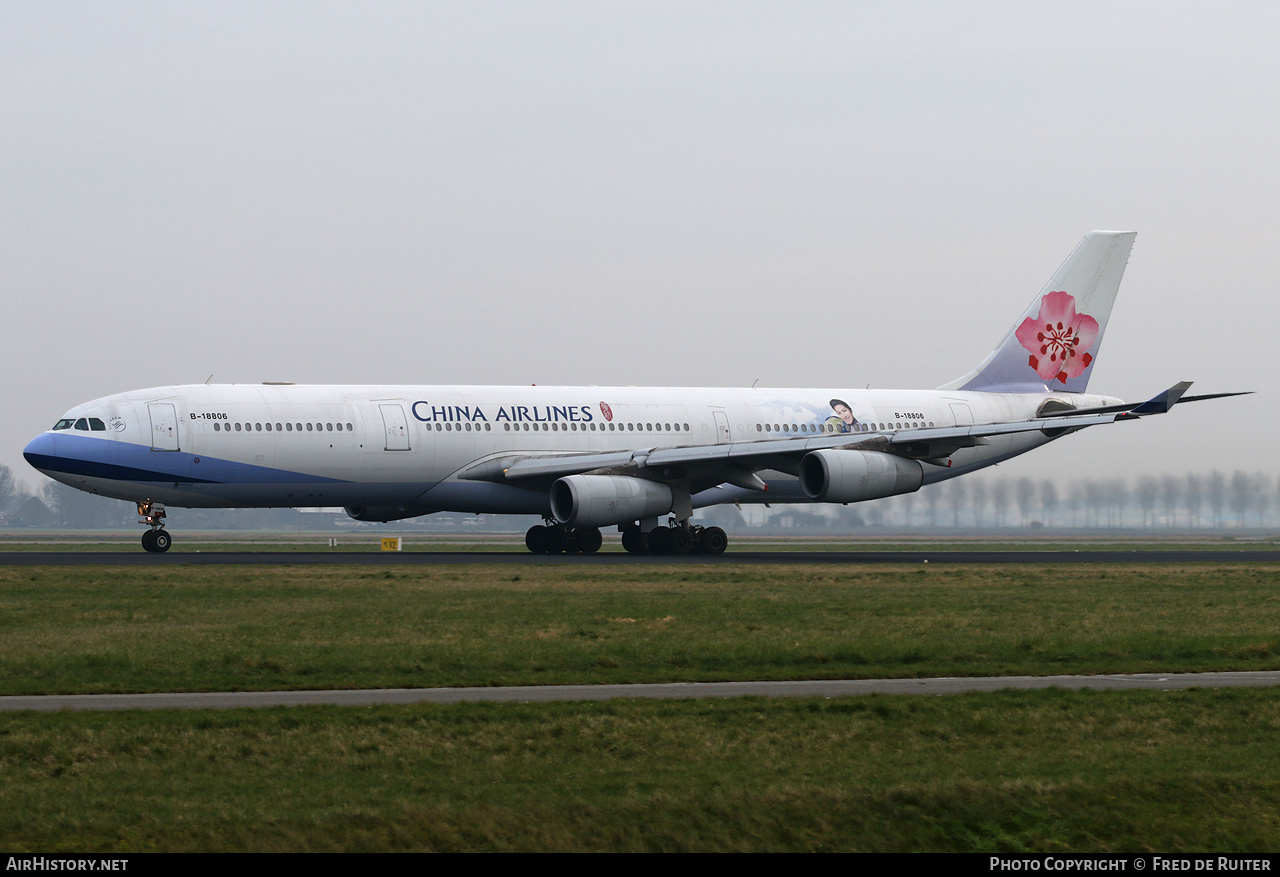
(808, 194)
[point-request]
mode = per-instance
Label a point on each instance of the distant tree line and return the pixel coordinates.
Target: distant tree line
(1193, 501)
(1216, 500)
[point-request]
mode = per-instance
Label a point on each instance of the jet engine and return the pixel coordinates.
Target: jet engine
(852, 476)
(599, 500)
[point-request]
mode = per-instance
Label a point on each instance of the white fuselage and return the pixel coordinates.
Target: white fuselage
(408, 446)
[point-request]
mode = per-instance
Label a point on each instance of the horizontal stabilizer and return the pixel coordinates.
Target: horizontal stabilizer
(1201, 398)
(1159, 404)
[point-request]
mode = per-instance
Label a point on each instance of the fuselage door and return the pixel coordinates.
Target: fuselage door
(397, 426)
(164, 426)
(722, 427)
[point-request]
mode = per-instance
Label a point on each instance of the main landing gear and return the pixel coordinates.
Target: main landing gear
(156, 540)
(559, 539)
(552, 538)
(675, 539)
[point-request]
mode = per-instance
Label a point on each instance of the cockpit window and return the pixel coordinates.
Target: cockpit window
(64, 423)
(96, 424)
(82, 423)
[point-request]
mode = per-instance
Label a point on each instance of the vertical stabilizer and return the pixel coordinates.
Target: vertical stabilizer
(1055, 343)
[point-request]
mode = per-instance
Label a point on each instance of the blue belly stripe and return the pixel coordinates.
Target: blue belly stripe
(124, 461)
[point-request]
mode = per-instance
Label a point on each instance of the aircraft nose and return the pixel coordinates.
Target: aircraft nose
(41, 449)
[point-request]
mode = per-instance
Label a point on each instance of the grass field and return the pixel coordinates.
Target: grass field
(1017, 771)
(86, 630)
(1029, 771)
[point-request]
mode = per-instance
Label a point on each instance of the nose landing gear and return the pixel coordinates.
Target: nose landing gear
(156, 540)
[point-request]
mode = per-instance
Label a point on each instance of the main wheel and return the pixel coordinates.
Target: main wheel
(657, 540)
(679, 541)
(588, 539)
(536, 539)
(557, 540)
(633, 540)
(714, 540)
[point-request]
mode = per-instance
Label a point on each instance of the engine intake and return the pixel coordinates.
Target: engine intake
(600, 500)
(854, 476)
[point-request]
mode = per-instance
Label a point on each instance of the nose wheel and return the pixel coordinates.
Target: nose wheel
(156, 540)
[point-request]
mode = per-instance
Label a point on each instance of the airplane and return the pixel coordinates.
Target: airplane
(590, 457)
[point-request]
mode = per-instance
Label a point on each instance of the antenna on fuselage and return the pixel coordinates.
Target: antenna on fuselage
(208, 380)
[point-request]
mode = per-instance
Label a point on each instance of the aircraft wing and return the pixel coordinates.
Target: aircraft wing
(737, 462)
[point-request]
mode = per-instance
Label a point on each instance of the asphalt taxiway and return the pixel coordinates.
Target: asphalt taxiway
(676, 690)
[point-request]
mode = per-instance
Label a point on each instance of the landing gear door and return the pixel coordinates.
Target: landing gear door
(396, 425)
(722, 427)
(164, 426)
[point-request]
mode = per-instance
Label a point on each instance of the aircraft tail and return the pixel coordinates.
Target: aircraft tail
(1054, 345)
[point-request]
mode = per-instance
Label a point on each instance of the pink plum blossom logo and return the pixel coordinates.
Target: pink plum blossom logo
(1058, 337)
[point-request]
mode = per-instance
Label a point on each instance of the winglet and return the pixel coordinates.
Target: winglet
(1162, 402)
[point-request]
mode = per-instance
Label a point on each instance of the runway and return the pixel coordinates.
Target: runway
(413, 558)
(675, 691)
